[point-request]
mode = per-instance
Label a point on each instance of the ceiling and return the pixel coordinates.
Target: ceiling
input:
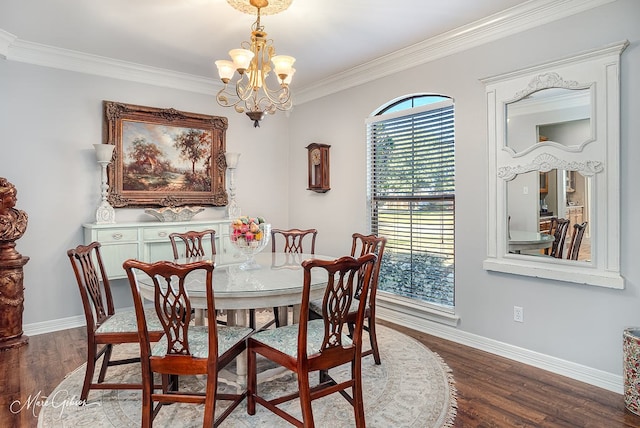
(327, 37)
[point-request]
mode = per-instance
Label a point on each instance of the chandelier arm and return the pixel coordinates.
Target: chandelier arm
(226, 98)
(277, 96)
(222, 97)
(242, 93)
(243, 89)
(264, 103)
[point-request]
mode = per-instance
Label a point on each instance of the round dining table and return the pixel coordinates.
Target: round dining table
(525, 240)
(277, 282)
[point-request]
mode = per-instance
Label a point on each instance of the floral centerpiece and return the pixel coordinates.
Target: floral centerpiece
(249, 235)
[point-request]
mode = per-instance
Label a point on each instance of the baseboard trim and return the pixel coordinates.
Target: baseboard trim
(595, 377)
(36, 328)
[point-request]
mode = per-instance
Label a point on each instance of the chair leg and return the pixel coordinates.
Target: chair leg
(88, 376)
(210, 401)
(305, 400)
(170, 383)
(252, 318)
(147, 405)
(251, 382)
(358, 400)
(374, 340)
(106, 359)
(351, 329)
(276, 316)
(323, 376)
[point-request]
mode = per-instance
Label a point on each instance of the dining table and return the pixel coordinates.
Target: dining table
(277, 281)
(526, 240)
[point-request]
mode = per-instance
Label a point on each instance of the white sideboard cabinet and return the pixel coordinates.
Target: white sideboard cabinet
(149, 241)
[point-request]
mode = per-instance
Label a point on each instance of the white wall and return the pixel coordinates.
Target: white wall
(580, 324)
(49, 120)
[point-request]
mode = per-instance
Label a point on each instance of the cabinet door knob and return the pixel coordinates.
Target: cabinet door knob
(117, 236)
(162, 234)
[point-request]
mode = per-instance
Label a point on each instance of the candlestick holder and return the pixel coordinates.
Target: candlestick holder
(105, 213)
(233, 210)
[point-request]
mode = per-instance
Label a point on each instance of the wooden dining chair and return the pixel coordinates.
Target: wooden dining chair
(317, 345)
(552, 223)
(105, 326)
(361, 245)
(185, 349)
(557, 248)
(292, 241)
(576, 241)
(194, 243)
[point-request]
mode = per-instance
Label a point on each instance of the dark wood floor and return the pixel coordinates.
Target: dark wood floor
(492, 391)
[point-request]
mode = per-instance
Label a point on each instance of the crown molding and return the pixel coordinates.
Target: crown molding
(511, 21)
(6, 40)
(50, 56)
(508, 22)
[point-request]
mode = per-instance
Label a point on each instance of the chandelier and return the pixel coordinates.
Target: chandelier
(251, 93)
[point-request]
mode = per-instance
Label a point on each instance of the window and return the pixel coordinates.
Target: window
(411, 196)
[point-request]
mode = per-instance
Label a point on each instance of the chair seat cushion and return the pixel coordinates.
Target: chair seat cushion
(316, 306)
(285, 339)
(125, 322)
(228, 336)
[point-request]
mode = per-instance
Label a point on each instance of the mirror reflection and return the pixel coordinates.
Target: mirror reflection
(555, 116)
(562, 114)
(549, 214)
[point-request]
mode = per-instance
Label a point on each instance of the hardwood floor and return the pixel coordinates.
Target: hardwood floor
(492, 391)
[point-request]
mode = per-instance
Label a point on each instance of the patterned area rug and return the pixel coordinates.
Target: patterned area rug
(412, 387)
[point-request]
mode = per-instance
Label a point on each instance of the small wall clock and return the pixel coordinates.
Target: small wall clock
(318, 159)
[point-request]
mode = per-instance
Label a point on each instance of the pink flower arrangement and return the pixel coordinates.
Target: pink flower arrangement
(249, 229)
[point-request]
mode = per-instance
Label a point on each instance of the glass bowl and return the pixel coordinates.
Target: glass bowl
(249, 241)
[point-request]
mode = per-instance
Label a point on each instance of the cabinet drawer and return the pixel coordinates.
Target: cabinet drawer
(159, 233)
(117, 235)
(201, 227)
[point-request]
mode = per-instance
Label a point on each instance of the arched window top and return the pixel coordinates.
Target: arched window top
(410, 102)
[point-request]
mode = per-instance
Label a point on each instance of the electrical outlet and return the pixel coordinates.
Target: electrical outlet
(518, 314)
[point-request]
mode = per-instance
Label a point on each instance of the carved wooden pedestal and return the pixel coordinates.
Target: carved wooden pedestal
(11, 297)
(13, 223)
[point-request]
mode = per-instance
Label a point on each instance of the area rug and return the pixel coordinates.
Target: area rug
(413, 387)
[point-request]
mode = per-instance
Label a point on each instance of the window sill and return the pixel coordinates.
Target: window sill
(569, 272)
(402, 310)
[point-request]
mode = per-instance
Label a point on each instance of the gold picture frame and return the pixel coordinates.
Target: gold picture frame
(165, 157)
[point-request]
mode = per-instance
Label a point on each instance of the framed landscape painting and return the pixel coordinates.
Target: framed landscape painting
(165, 157)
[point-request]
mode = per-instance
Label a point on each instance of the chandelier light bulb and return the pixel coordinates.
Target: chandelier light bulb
(241, 58)
(283, 65)
(226, 69)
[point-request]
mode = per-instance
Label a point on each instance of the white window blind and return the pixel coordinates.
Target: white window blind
(411, 173)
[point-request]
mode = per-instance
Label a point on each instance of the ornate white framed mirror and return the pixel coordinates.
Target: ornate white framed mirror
(554, 180)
